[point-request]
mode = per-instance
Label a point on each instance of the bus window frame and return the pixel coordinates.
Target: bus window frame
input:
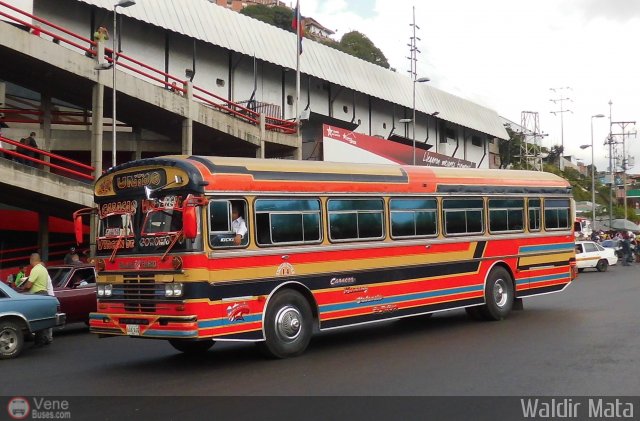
(349, 240)
(436, 211)
(300, 213)
(467, 233)
(507, 231)
(539, 208)
(246, 221)
(569, 213)
(130, 223)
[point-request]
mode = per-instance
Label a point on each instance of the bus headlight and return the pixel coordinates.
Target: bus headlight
(104, 290)
(174, 289)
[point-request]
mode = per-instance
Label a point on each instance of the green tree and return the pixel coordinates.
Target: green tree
(279, 16)
(509, 149)
(359, 45)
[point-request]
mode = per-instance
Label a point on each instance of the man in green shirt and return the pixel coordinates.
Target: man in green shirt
(37, 284)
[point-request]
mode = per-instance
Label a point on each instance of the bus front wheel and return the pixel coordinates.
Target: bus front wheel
(288, 325)
(192, 346)
(498, 295)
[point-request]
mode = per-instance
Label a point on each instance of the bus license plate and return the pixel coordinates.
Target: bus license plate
(133, 330)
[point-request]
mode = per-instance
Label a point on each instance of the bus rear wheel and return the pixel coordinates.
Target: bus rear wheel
(498, 295)
(288, 325)
(189, 346)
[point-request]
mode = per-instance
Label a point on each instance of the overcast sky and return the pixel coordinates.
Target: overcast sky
(506, 54)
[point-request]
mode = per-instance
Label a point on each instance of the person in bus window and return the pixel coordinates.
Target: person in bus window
(238, 226)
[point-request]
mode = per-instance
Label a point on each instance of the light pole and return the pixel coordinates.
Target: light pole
(121, 3)
(413, 130)
(593, 174)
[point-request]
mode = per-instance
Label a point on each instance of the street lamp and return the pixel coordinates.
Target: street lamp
(413, 119)
(121, 3)
(593, 176)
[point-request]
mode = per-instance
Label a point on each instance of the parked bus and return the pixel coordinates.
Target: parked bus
(328, 245)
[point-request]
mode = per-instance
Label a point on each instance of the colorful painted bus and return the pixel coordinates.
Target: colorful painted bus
(327, 245)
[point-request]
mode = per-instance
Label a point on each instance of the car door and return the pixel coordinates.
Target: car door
(592, 254)
(73, 297)
(85, 287)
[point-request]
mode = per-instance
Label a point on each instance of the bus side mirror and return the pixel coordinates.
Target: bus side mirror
(190, 222)
(77, 227)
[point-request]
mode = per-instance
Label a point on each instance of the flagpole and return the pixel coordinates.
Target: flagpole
(298, 52)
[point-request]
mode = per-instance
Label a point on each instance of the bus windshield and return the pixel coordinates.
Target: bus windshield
(143, 227)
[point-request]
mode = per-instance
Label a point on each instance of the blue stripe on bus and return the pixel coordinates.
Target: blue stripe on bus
(205, 324)
(547, 247)
(398, 299)
(553, 277)
(176, 333)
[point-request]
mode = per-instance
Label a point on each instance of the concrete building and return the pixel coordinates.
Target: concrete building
(247, 61)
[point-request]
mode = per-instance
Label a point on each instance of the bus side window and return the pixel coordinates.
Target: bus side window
(223, 227)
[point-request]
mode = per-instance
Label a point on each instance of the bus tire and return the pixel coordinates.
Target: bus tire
(602, 265)
(189, 346)
(288, 325)
(498, 295)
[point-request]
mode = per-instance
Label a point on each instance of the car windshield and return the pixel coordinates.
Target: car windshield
(609, 243)
(59, 276)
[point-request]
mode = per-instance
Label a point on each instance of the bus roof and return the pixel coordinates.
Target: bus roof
(224, 174)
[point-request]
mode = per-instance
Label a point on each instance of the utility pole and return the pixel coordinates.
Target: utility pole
(561, 99)
(623, 125)
(611, 172)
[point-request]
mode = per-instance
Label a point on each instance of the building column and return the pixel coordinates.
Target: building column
(3, 93)
(137, 139)
(187, 123)
(97, 125)
(260, 152)
(297, 153)
(43, 234)
(46, 144)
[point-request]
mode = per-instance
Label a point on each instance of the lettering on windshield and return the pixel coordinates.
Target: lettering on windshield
(126, 206)
(110, 244)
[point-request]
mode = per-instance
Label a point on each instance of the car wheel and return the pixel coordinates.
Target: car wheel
(11, 340)
(602, 265)
(288, 325)
(498, 295)
(189, 346)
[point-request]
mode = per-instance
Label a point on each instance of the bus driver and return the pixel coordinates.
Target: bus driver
(238, 226)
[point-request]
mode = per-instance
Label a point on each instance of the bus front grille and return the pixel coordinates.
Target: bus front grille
(139, 293)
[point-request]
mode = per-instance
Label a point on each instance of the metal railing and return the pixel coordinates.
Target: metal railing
(28, 155)
(166, 80)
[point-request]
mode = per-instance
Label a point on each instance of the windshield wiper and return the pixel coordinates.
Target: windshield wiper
(175, 239)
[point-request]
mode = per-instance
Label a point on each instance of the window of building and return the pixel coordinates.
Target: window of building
(345, 109)
(506, 215)
(413, 217)
(556, 214)
(384, 125)
(534, 215)
(287, 221)
(356, 219)
(476, 141)
(450, 133)
(463, 216)
(220, 82)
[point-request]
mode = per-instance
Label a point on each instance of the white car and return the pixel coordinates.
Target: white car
(593, 255)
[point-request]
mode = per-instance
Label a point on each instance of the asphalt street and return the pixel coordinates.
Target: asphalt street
(582, 341)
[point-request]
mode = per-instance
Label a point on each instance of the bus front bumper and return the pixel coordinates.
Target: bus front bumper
(144, 326)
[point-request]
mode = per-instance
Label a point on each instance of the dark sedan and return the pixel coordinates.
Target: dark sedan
(75, 288)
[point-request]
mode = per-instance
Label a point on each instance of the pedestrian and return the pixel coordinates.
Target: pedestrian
(101, 34)
(3, 145)
(39, 283)
(626, 249)
(68, 258)
(17, 279)
(75, 259)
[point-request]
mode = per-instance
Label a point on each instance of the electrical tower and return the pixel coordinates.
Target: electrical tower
(562, 98)
(413, 48)
(531, 145)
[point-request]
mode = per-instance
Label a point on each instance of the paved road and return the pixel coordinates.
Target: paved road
(583, 341)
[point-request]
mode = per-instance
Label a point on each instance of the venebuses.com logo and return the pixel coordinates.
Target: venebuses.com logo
(20, 408)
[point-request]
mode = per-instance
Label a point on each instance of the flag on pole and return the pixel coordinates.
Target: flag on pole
(296, 25)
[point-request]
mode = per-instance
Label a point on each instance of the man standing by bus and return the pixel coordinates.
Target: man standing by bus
(38, 284)
(238, 226)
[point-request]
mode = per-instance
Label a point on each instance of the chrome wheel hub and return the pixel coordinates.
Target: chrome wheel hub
(500, 292)
(8, 341)
(288, 323)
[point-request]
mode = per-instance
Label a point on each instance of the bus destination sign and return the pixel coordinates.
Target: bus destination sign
(139, 179)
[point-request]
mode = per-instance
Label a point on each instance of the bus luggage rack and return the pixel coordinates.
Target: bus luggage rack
(139, 293)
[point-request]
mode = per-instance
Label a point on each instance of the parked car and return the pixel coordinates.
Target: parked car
(614, 244)
(21, 315)
(75, 288)
(593, 255)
